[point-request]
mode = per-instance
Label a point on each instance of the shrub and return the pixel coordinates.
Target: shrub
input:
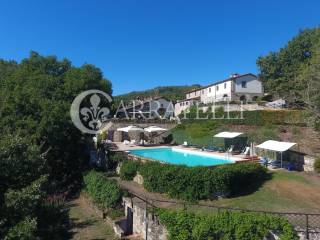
(263, 133)
(224, 225)
(196, 183)
(102, 136)
(317, 165)
(114, 159)
(219, 112)
(129, 169)
(25, 229)
(105, 192)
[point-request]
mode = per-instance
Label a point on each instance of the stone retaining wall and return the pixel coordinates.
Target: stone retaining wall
(308, 163)
(144, 223)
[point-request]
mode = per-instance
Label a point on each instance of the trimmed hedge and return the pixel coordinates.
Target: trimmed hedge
(256, 118)
(317, 165)
(196, 183)
(129, 169)
(183, 225)
(104, 192)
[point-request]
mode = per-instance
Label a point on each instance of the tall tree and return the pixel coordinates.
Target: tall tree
(280, 71)
(41, 151)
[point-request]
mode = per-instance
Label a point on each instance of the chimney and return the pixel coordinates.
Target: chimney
(234, 75)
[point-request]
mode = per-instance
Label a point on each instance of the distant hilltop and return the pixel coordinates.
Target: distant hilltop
(171, 92)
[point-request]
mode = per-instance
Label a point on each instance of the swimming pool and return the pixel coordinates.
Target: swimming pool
(181, 156)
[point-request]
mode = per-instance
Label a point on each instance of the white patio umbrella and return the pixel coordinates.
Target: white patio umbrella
(154, 129)
(130, 128)
(228, 134)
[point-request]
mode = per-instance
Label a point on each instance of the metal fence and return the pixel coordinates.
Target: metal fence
(306, 224)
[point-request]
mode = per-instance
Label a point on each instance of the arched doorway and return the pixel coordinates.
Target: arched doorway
(243, 98)
(254, 98)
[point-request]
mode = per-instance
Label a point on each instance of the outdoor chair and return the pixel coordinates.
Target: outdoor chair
(288, 165)
(246, 151)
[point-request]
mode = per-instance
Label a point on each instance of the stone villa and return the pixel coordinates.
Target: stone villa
(245, 88)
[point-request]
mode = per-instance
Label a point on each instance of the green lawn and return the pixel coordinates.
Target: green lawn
(86, 224)
(285, 191)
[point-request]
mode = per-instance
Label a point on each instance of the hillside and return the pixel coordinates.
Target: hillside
(171, 92)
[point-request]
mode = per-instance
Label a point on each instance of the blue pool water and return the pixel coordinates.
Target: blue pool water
(173, 156)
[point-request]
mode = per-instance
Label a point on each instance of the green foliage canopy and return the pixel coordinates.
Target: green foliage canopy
(41, 152)
(287, 73)
(106, 193)
(183, 225)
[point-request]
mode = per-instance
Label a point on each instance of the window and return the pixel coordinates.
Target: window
(181, 104)
(209, 90)
(186, 103)
(217, 88)
(225, 85)
(244, 84)
(202, 91)
(161, 105)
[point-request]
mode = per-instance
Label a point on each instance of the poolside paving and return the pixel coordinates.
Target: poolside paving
(127, 147)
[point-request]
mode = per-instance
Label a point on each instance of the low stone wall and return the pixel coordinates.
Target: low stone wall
(144, 223)
(236, 107)
(314, 234)
(308, 163)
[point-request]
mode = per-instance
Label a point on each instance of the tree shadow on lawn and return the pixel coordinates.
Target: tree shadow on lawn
(254, 186)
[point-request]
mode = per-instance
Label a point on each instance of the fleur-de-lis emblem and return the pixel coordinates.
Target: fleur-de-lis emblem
(95, 115)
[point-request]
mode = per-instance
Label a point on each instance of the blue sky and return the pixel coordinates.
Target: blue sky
(141, 44)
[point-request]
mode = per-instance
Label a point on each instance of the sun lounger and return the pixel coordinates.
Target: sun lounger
(211, 149)
(186, 144)
(231, 150)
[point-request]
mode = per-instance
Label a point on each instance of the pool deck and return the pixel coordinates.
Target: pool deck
(236, 158)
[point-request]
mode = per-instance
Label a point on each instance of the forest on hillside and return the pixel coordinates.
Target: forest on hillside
(293, 72)
(171, 92)
(42, 154)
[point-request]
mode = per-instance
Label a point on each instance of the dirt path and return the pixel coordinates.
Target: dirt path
(86, 224)
(156, 199)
